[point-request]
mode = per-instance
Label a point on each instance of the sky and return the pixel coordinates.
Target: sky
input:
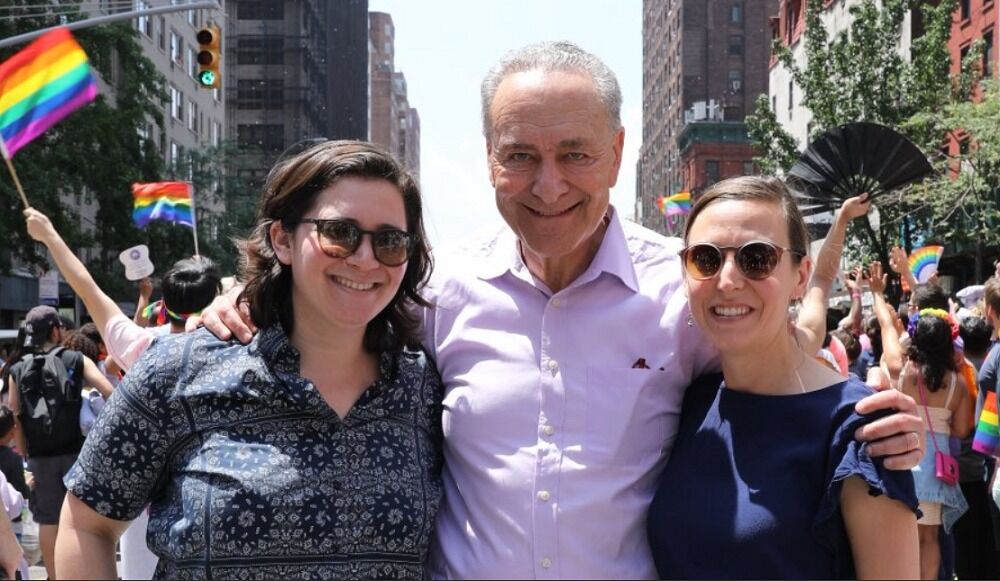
(445, 47)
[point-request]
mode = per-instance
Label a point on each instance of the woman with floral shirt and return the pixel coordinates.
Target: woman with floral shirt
(312, 452)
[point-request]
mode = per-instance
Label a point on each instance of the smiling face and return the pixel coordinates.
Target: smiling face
(553, 158)
(741, 315)
(342, 294)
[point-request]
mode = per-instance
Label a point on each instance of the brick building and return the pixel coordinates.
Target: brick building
(788, 26)
(704, 61)
(974, 20)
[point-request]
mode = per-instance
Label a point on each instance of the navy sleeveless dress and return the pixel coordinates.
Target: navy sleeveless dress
(752, 487)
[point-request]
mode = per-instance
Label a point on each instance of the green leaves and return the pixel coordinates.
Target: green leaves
(864, 74)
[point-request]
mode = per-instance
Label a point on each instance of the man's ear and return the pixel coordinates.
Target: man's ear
(281, 241)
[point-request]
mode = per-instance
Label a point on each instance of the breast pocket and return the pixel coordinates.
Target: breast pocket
(628, 412)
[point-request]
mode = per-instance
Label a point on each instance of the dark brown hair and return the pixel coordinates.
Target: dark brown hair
(290, 191)
(757, 189)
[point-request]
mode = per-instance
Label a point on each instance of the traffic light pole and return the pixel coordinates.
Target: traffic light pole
(107, 19)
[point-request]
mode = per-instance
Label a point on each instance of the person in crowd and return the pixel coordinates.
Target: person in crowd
(11, 554)
(976, 555)
(988, 373)
(17, 352)
(837, 513)
(47, 422)
(11, 463)
(572, 415)
(926, 370)
(852, 348)
(319, 444)
(187, 287)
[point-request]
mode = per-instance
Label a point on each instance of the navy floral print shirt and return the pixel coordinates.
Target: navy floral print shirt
(251, 474)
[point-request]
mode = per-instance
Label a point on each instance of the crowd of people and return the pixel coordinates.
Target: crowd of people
(570, 395)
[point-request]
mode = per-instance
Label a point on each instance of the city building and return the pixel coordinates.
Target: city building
(788, 26)
(394, 125)
(704, 64)
(974, 21)
(296, 73)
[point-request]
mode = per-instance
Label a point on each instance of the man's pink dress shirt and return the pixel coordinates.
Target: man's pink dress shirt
(560, 409)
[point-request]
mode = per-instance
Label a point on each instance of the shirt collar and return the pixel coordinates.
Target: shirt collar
(503, 255)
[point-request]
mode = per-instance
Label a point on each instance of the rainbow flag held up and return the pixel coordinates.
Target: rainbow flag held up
(924, 262)
(678, 204)
(41, 85)
(170, 201)
(987, 438)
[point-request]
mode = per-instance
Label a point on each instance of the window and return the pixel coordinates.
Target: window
(175, 153)
(965, 8)
(176, 103)
(711, 172)
(791, 19)
(192, 116)
(144, 24)
(215, 134)
(735, 44)
(161, 38)
(175, 48)
(192, 62)
(260, 51)
(791, 97)
(260, 93)
(988, 54)
(266, 137)
(736, 13)
(736, 81)
(260, 10)
(748, 168)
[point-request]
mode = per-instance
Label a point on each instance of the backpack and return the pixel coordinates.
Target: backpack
(50, 399)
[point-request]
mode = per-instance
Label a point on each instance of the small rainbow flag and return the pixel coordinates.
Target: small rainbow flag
(41, 85)
(170, 201)
(987, 438)
(924, 262)
(678, 204)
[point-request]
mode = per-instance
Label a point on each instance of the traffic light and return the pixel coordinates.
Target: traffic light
(209, 57)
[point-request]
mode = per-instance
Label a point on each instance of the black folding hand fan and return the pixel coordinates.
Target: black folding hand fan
(852, 159)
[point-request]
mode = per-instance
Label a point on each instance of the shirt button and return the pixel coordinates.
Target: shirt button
(557, 303)
(552, 365)
(546, 563)
(548, 430)
(543, 495)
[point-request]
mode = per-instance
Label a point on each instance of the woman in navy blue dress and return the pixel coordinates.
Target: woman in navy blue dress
(766, 479)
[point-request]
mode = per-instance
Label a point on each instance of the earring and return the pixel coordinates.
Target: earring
(690, 320)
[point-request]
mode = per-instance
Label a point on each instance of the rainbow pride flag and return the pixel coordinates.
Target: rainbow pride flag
(170, 201)
(987, 438)
(41, 85)
(678, 204)
(924, 262)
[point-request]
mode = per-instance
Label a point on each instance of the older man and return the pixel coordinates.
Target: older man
(564, 343)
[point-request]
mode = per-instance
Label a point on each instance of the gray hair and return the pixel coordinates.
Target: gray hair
(554, 56)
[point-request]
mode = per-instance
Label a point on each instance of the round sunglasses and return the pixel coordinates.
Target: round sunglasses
(341, 238)
(756, 259)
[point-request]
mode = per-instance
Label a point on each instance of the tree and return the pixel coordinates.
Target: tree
(861, 75)
(93, 155)
(216, 177)
(964, 207)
